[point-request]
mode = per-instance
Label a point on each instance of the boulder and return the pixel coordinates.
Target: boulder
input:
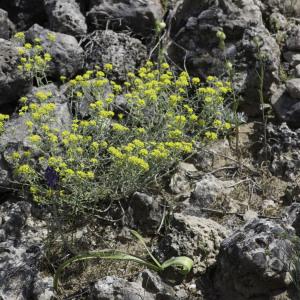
(65, 16)
(126, 54)
(140, 17)
(21, 244)
(196, 45)
(146, 212)
(293, 40)
(297, 71)
(67, 54)
(254, 262)
(286, 108)
(112, 287)
(197, 238)
(25, 13)
(6, 26)
(209, 189)
(13, 84)
(293, 88)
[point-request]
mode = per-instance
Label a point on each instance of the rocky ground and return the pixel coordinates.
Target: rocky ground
(234, 211)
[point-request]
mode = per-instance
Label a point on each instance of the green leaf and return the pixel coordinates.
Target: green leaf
(184, 263)
(142, 241)
(103, 254)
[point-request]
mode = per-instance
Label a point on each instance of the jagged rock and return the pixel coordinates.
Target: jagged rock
(126, 54)
(297, 71)
(112, 287)
(65, 16)
(284, 152)
(6, 26)
(152, 283)
(293, 88)
(209, 189)
(286, 108)
(292, 216)
(146, 212)
(12, 83)
(16, 131)
(43, 288)
(293, 40)
(293, 58)
(25, 13)
(180, 183)
(253, 263)
(287, 8)
(138, 16)
(197, 238)
(68, 56)
(21, 247)
(197, 46)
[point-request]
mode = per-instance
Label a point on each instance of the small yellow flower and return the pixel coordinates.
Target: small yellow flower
(108, 67)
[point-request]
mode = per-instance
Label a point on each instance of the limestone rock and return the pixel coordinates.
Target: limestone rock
(65, 17)
(126, 54)
(197, 238)
(253, 263)
(140, 17)
(68, 56)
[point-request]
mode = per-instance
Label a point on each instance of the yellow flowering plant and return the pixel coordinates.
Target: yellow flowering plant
(121, 136)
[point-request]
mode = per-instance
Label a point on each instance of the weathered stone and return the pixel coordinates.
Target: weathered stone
(297, 71)
(25, 13)
(293, 58)
(13, 84)
(22, 247)
(68, 56)
(286, 108)
(65, 16)
(146, 212)
(196, 45)
(293, 41)
(208, 189)
(111, 288)
(139, 16)
(126, 54)
(6, 26)
(253, 263)
(197, 238)
(293, 88)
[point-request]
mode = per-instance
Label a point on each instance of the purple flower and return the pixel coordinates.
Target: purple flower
(51, 177)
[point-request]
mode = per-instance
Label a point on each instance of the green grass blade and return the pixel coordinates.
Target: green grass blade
(103, 254)
(142, 241)
(184, 263)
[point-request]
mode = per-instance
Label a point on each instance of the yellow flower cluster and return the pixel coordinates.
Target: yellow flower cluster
(107, 151)
(3, 119)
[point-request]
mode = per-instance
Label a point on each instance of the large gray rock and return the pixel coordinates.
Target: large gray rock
(146, 285)
(254, 262)
(293, 40)
(196, 45)
(6, 26)
(112, 287)
(126, 54)
(138, 16)
(209, 189)
(21, 244)
(293, 88)
(197, 238)
(286, 108)
(65, 16)
(146, 212)
(68, 56)
(25, 13)
(13, 84)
